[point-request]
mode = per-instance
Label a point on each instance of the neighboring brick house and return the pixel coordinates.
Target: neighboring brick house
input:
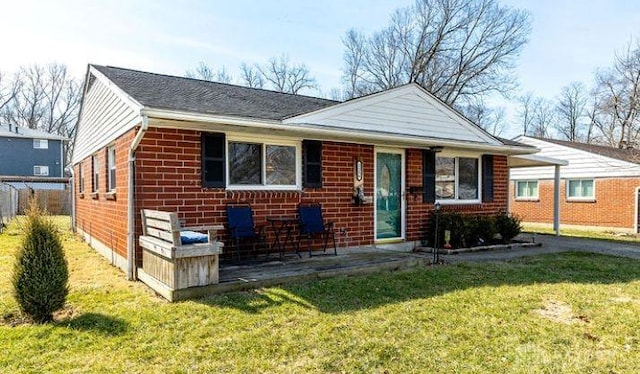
(599, 188)
(176, 144)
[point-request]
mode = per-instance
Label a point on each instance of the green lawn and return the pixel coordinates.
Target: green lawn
(581, 233)
(573, 312)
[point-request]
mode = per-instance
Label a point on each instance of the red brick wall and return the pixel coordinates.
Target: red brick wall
(418, 212)
(168, 178)
(102, 216)
(614, 204)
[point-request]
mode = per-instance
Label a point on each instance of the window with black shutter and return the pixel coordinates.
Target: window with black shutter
(213, 160)
(312, 163)
(487, 178)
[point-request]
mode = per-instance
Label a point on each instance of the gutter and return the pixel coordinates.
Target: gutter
(131, 229)
(323, 131)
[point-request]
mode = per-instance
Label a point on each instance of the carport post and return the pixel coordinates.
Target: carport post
(556, 200)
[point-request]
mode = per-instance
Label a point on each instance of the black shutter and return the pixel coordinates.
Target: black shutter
(311, 164)
(428, 176)
(213, 160)
(487, 178)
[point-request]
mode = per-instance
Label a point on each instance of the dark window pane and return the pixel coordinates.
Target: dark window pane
(245, 161)
(312, 163)
(468, 179)
(213, 160)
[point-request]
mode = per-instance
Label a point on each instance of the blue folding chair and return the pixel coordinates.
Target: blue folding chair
(242, 227)
(312, 224)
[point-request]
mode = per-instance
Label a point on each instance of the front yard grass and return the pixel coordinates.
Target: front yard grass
(529, 228)
(571, 312)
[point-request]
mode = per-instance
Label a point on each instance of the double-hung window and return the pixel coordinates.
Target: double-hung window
(80, 178)
(580, 189)
(40, 170)
(457, 178)
(40, 144)
(272, 165)
(111, 168)
(527, 190)
(96, 173)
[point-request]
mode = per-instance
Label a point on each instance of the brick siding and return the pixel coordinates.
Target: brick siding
(168, 177)
(613, 207)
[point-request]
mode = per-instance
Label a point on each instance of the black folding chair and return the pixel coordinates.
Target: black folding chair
(312, 224)
(242, 227)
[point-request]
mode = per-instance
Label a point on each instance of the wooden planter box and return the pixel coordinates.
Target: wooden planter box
(168, 266)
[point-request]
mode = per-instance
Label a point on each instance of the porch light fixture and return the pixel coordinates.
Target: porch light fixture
(436, 149)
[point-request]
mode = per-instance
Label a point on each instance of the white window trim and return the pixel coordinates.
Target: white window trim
(110, 167)
(264, 141)
(580, 198)
(41, 168)
(38, 142)
(457, 201)
(527, 198)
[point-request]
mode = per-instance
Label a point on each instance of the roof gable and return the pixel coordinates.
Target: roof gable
(167, 92)
(407, 110)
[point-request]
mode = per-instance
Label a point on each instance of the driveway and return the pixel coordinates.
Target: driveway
(552, 244)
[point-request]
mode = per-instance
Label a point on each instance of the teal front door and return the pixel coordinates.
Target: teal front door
(389, 198)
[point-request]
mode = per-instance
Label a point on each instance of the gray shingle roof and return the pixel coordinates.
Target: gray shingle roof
(192, 95)
(629, 155)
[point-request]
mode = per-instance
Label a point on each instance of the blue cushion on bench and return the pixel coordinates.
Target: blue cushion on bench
(191, 237)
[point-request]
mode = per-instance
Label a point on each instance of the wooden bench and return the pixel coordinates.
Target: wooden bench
(168, 264)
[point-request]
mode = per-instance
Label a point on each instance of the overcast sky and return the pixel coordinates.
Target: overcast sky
(569, 41)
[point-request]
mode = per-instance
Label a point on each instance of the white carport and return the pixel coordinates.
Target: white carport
(534, 160)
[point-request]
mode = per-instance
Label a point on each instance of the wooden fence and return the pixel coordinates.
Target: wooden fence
(55, 202)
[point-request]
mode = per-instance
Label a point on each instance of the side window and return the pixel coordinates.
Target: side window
(111, 168)
(526, 190)
(580, 189)
(40, 144)
(96, 173)
(80, 178)
(41, 171)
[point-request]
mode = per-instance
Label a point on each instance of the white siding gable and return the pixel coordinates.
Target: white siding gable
(107, 113)
(582, 164)
(406, 110)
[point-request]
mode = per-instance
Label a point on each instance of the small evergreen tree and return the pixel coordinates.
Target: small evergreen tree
(40, 277)
(508, 226)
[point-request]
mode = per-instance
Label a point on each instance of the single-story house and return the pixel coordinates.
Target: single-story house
(599, 186)
(152, 141)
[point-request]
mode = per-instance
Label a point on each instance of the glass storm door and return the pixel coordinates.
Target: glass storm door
(389, 199)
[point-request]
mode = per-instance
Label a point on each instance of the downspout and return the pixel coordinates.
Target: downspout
(72, 184)
(131, 229)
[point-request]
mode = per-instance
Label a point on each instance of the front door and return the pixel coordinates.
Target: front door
(389, 197)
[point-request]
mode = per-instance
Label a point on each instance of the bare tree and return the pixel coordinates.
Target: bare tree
(206, 73)
(490, 119)
(251, 76)
(571, 112)
(457, 49)
(285, 77)
(47, 99)
(618, 93)
(543, 117)
(525, 112)
(8, 90)
(202, 71)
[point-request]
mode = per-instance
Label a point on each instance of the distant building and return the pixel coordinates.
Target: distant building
(31, 156)
(599, 188)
